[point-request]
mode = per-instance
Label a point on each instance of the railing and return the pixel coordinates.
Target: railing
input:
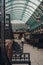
(23, 58)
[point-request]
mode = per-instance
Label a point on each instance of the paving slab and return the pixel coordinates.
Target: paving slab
(36, 55)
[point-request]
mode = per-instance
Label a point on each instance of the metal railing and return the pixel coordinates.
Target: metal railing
(23, 58)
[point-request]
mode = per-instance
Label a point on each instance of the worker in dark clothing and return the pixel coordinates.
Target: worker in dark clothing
(16, 47)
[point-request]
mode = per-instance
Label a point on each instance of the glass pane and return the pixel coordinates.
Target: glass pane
(29, 11)
(8, 4)
(25, 18)
(8, 8)
(35, 1)
(28, 7)
(18, 8)
(32, 4)
(6, 0)
(18, 5)
(19, 1)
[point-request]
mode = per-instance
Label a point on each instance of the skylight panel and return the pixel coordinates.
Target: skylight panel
(29, 11)
(19, 2)
(8, 8)
(40, 0)
(39, 10)
(17, 17)
(25, 18)
(28, 7)
(36, 13)
(8, 4)
(35, 16)
(16, 21)
(6, 0)
(18, 13)
(28, 14)
(17, 8)
(32, 5)
(31, 8)
(18, 5)
(35, 1)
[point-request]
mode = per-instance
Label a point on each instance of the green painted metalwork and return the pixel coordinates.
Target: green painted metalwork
(39, 0)
(33, 14)
(41, 9)
(36, 26)
(23, 0)
(23, 9)
(20, 0)
(18, 14)
(18, 7)
(19, 11)
(33, 3)
(31, 22)
(15, 4)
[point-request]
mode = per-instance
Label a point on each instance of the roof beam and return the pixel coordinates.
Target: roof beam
(24, 10)
(15, 0)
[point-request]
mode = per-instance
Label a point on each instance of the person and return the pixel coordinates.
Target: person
(8, 45)
(16, 47)
(22, 39)
(22, 42)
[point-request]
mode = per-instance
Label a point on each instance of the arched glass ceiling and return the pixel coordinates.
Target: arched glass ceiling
(22, 9)
(33, 22)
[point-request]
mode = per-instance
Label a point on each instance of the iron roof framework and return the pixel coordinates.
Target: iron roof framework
(33, 19)
(25, 10)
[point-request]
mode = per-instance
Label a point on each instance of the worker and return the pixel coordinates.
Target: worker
(22, 42)
(22, 39)
(8, 44)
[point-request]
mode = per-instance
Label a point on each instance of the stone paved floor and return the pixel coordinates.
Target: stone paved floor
(36, 55)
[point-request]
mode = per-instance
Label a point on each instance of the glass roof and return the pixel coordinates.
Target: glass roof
(25, 11)
(33, 22)
(22, 10)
